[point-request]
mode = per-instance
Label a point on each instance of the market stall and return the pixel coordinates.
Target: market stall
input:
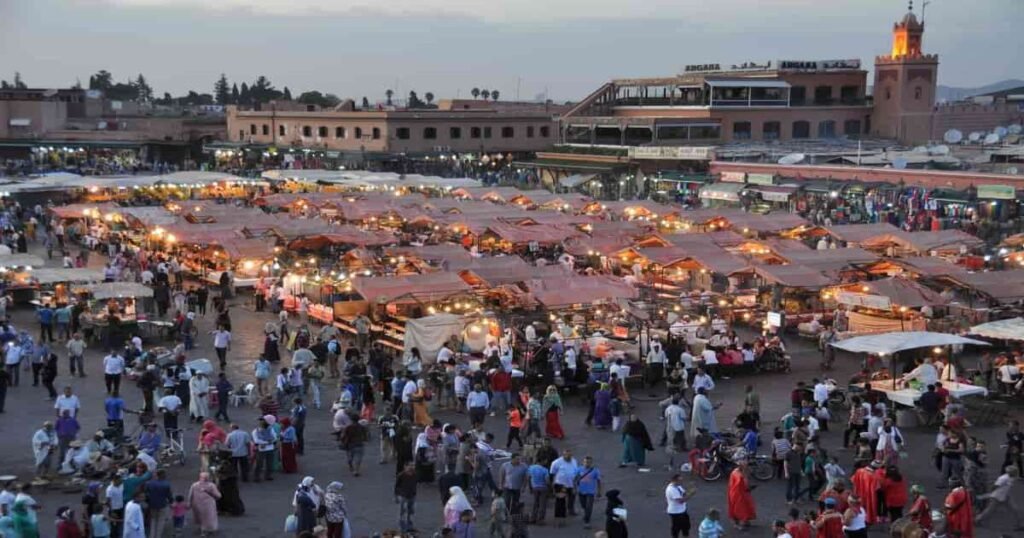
(113, 311)
(57, 285)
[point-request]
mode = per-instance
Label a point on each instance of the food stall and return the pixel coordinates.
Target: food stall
(56, 285)
(113, 309)
(13, 265)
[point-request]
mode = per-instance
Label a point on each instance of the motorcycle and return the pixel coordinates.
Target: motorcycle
(720, 460)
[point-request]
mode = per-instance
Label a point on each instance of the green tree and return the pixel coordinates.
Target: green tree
(234, 93)
(366, 102)
(475, 92)
(102, 80)
(221, 90)
(144, 92)
(389, 93)
(429, 96)
(486, 94)
(494, 94)
(287, 94)
(414, 100)
(244, 96)
(18, 83)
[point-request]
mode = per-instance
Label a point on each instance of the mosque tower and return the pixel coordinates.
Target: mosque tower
(905, 84)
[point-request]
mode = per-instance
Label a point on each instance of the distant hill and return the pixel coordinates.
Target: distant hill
(950, 93)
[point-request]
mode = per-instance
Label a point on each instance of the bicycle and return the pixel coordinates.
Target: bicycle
(175, 449)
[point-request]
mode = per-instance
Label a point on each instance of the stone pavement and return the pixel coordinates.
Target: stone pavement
(370, 500)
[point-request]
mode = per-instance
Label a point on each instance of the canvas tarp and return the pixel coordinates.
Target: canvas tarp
(110, 290)
(889, 343)
(583, 290)
(429, 334)
(1004, 329)
(903, 292)
(425, 287)
(54, 275)
(866, 323)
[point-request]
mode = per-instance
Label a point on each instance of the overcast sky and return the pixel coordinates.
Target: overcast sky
(568, 47)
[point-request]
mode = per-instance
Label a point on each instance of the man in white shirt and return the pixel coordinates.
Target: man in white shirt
(925, 372)
(656, 360)
(445, 354)
(702, 380)
(478, 403)
(147, 276)
(709, 357)
(67, 402)
(169, 405)
(687, 360)
(820, 393)
(113, 368)
(222, 343)
(407, 391)
(1002, 496)
(12, 360)
(675, 430)
(563, 478)
(676, 497)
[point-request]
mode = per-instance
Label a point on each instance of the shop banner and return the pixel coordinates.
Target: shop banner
(772, 196)
(997, 192)
(774, 319)
(734, 177)
(692, 153)
(879, 302)
(761, 179)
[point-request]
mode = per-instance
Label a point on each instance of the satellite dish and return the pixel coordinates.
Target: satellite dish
(975, 136)
(1015, 128)
(939, 150)
(1013, 170)
(991, 139)
(1001, 131)
(792, 158)
(920, 149)
(899, 163)
(953, 136)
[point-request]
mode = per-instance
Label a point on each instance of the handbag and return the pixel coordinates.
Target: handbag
(291, 523)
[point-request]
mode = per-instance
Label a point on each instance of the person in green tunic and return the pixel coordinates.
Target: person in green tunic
(24, 526)
(635, 442)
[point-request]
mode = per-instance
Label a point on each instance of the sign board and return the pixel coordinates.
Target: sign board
(997, 192)
(700, 68)
(734, 177)
(691, 153)
(879, 302)
(761, 179)
(774, 319)
(818, 65)
(774, 196)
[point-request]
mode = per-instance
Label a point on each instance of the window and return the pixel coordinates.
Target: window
(339, 132)
(823, 95)
(741, 130)
(771, 130)
(376, 133)
(474, 132)
(827, 129)
(455, 132)
(529, 131)
(429, 133)
(252, 129)
(797, 95)
(508, 132)
(705, 132)
(321, 132)
(851, 128)
(801, 129)
(241, 134)
(280, 130)
(545, 131)
(849, 94)
(266, 129)
(918, 91)
(359, 133)
(402, 133)
(307, 130)
(487, 132)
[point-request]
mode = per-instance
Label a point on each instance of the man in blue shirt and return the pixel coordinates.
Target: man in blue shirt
(299, 422)
(149, 440)
(114, 407)
(563, 478)
(588, 486)
(45, 315)
(158, 497)
(750, 442)
(539, 487)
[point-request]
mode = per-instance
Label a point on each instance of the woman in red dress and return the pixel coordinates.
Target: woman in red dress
(741, 503)
(553, 413)
(289, 445)
(920, 510)
(959, 511)
(866, 486)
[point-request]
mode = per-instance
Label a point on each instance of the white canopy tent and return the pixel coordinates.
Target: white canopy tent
(1004, 329)
(54, 275)
(889, 343)
(110, 290)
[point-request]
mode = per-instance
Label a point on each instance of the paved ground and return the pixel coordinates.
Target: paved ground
(369, 497)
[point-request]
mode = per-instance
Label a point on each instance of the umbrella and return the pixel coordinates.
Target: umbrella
(888, 343)
(200, 366)
(1004, 329)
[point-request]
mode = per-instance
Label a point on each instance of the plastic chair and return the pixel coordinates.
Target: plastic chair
(240, 397)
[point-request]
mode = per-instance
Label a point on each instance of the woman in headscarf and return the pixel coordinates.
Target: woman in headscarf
(741, 503)
(199, 391)
(615, 519)
(419, 405)
(271, 348)
(230, 501)
(211, 437)
(306, 502)
(67, 527)
(635, 442)
(426, 459)
(289, 446)
(337, 511)
(552, 406)
(22, 521)
(602, 407)
(202, 499)
(456, 504)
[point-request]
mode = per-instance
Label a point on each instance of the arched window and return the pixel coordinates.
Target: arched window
(322, 132)
(376, 133)
(359, 133)
(771, 130)
(307, 130)
(339, 132)
(827, 129)
(266, 129)
(474, 132)
(801, 129)
(281, 130)
(252, 128)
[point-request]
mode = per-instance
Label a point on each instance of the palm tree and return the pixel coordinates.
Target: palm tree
(389, 94)
(475, 92)
(486, 94)
(494, 95)
(429, 96)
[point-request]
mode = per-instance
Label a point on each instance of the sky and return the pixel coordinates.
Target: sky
(562, 48)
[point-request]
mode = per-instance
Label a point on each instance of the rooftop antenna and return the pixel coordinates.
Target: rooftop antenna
(924, 5)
